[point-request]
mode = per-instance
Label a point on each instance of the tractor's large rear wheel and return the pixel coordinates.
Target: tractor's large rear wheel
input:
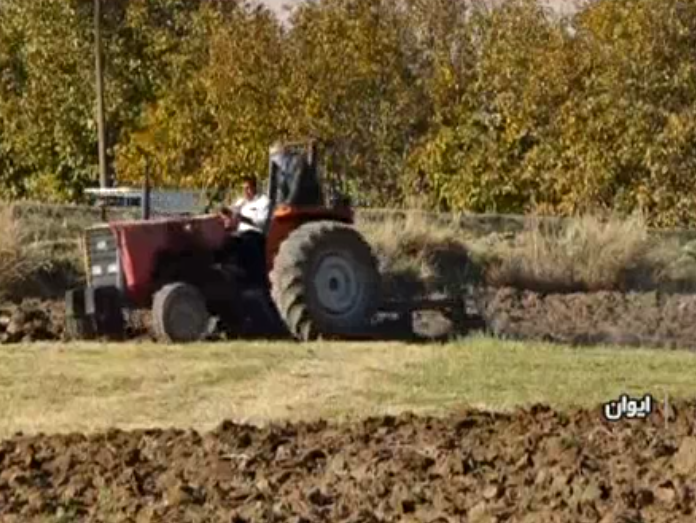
(180, 314)
(325, 282)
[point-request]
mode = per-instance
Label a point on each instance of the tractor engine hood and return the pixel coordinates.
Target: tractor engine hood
(141, 244)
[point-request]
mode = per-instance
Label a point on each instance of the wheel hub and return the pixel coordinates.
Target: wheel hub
(185, 317)
(337, 285)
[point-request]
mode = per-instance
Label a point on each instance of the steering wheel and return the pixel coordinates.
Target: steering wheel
(245, 219)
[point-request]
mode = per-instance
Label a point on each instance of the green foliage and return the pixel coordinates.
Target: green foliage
(45, 99)
(448, 104)
(569, 121)
(353, 82)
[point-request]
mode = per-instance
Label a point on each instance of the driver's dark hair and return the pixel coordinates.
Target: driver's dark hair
(251, 180)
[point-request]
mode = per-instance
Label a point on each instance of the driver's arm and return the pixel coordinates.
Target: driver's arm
(254, 213)
(238, 205)
(229, 218)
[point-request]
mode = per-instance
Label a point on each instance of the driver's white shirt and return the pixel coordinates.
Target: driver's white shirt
(255, 209)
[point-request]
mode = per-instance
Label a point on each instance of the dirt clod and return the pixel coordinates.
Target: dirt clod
(685, 458)
(363, 471)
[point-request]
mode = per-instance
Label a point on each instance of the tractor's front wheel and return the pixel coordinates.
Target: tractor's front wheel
(325, 282)
(180, 314)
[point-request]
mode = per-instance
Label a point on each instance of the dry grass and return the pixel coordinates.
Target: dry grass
(39, 256)
(420, 255)
(586, 254)
(669, 266)
(18, 263)
(591, 254)
(91, 387)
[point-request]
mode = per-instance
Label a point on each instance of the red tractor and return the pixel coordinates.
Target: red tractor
(313, 275)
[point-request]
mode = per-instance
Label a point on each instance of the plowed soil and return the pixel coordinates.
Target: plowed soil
(44, 320)
(535, 466)
(641, 319)
(638, 320)
(32, 320)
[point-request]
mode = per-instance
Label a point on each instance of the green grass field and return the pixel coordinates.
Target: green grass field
(54, 388)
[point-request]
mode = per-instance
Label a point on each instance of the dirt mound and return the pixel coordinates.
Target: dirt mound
(535, 465)
(44, 320)
(640, 319)
(32, 320)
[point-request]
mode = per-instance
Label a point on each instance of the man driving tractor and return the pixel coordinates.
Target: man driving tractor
(246, 221)
(250, 212)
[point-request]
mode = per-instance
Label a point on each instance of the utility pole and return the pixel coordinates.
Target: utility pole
(99, 72)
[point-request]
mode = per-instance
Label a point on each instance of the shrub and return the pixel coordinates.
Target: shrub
(583, 255)
(16, 262)
(420, 254)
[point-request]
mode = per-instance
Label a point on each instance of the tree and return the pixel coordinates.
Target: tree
(46, 109)
(351, 83)
(638, 106)
(475, 158)
(215, 120)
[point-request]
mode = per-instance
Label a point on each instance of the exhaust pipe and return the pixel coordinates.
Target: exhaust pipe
(145, 202)
(312, 150)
